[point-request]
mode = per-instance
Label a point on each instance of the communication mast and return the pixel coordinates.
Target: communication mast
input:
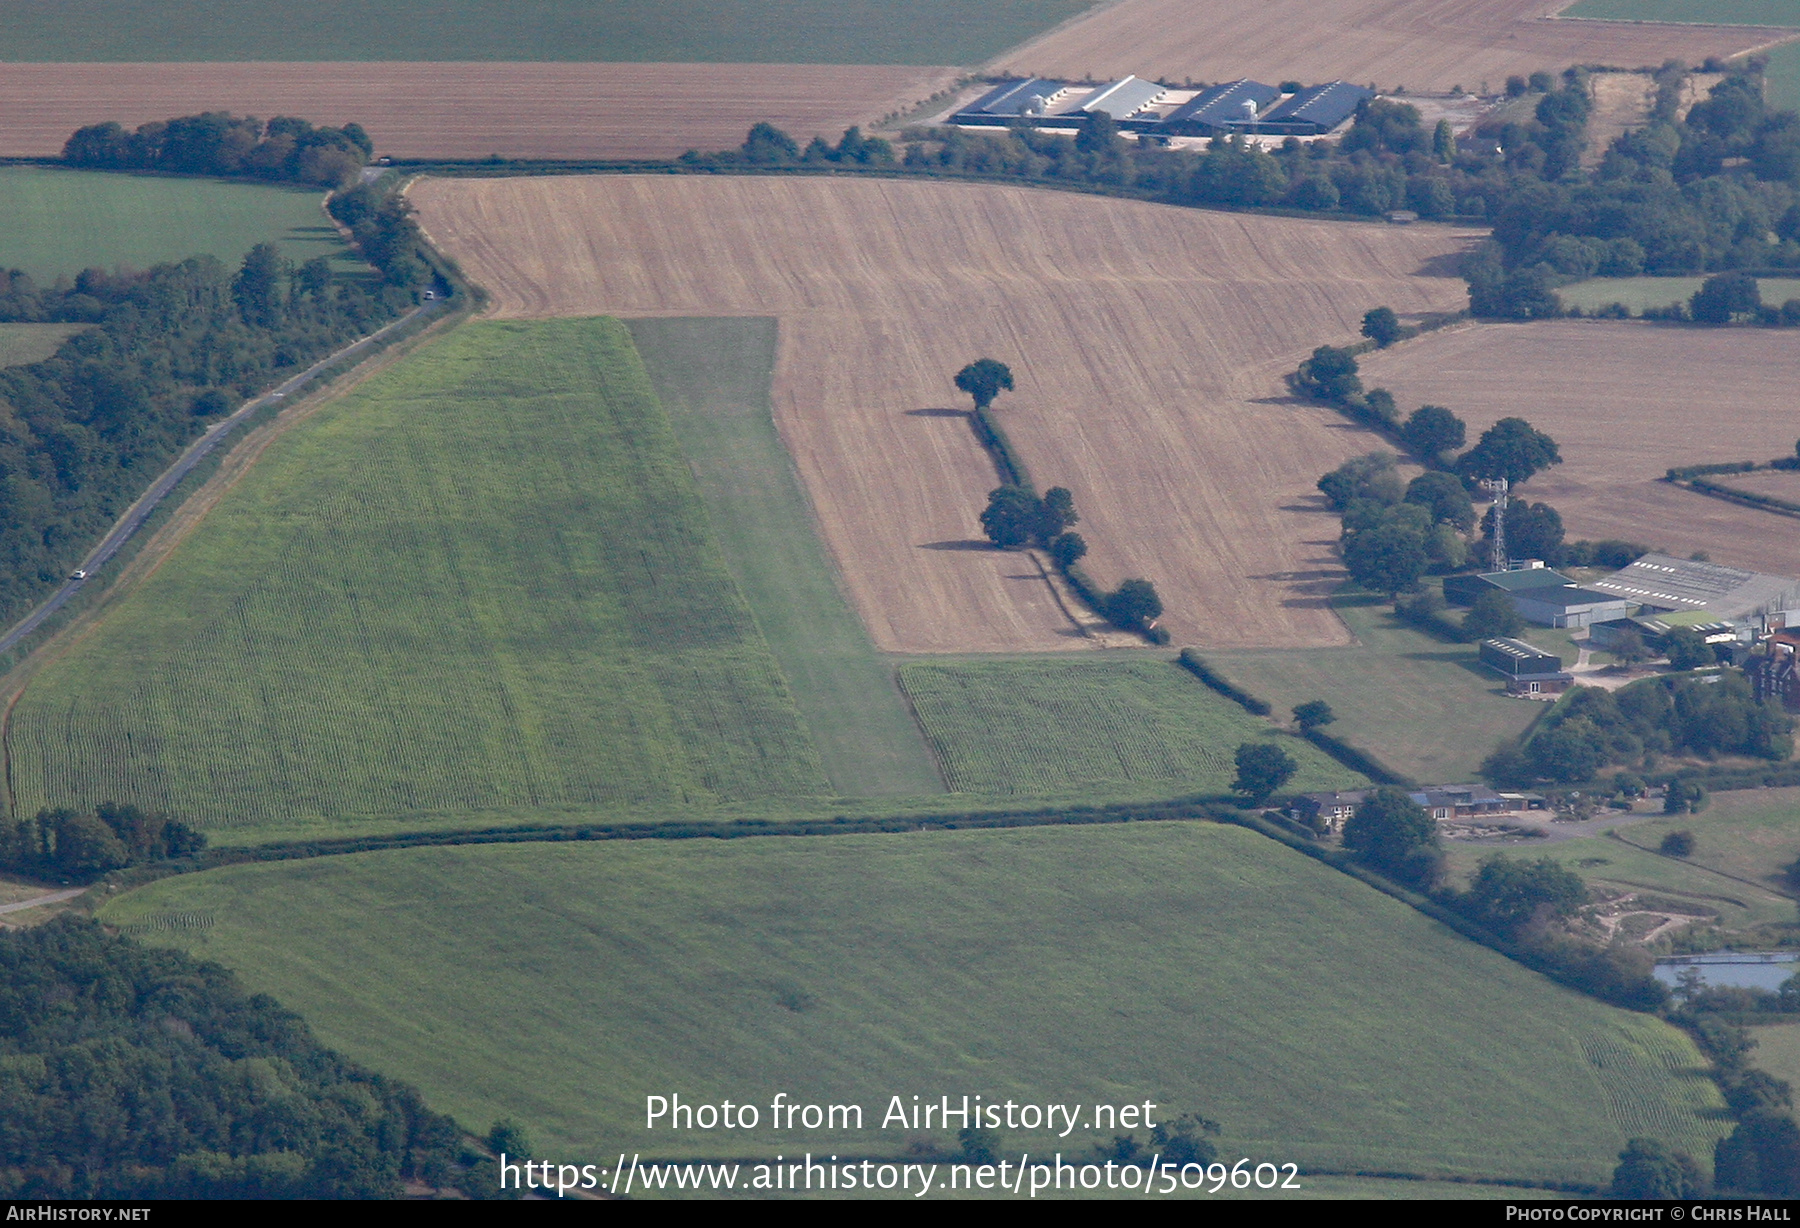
(1497, 486)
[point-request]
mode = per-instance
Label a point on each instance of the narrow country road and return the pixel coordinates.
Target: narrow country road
(35, 901)
(197, 451)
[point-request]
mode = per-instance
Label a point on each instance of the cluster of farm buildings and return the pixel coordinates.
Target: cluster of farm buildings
(1748, 617)
(1150, 109)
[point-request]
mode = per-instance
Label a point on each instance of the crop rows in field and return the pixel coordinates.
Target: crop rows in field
(484, 581)
(1055, 725)
(1640, 1074)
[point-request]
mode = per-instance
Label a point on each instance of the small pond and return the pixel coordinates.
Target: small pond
(1744, 969)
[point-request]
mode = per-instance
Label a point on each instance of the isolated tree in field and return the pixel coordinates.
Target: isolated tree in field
(1329, 375)
(1133, 605)
(984, 379)
(1262, 768)
(1313, 714)
(1649, 1170)
(1394, 834)
(1677, 844)
(1382, 326)
(1011, 517)
(1723, 297)
(1433, 430)
(1512, 449)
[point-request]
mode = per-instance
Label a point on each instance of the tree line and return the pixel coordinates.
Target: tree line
(1016, 516)
(83, 844)
(284, 149)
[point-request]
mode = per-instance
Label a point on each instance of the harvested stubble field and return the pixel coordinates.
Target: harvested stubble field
(1626, 402)
(1424, 45)
(1202, 967)
(1146, 341)
(481, 582)
(1107, 727)
(471, 110)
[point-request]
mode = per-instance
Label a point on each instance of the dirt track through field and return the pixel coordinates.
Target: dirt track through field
(1626, 402)
(1424, 45)
(1139, 336)
(580, 111)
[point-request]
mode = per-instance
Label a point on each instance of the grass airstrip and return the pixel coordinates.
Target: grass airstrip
(1199, 966)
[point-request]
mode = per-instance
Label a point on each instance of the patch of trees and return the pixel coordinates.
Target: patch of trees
(83, 432)
(1394, 835)
(1392, 534)
(1682, 714)
(1262, 768)
(1718, 190)
(81, 845)
(381, 225)
(1761, 1155)
(129, 1072)
(218, 143)
(768, 146)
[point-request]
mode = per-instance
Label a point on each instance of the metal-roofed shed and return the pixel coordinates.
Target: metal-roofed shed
(1661, 583)
(1315, 110)
(1568, 605)
(1464, 589)
(1516, 658)
(1011, 99)
(1122, 98)
(1208, 111)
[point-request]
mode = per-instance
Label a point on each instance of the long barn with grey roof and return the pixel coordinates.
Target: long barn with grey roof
(1012, 100)
(1660, 583)
(1211, 110)
(1315, 110)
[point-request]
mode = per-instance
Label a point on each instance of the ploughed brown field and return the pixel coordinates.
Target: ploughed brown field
(1424, 45)
(583, 111)
(1626, 401)
(1147, 343)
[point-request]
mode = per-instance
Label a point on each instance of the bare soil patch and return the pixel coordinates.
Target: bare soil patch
(1626, 401)
(581, 111)
(1622, 101)
(1427, 45)
(1147, 343)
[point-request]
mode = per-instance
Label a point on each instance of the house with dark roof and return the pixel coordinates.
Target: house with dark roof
(1528, 670)
(1774, 671)
(1330, 811)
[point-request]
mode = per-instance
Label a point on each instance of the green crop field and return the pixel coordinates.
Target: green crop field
(482, 582)
(1128, 725)
(1424, 707)
(1198, 966)
(713, 377)
(1637, 293)
(721, 31)
(61, 222)
(1749, 834)
(27, 343)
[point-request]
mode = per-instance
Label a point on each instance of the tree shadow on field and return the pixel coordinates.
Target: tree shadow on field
(959, 544)
(938, 413)
(1313, 588)
(1448, 264)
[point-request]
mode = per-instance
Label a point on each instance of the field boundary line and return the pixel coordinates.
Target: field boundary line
(1763, 887)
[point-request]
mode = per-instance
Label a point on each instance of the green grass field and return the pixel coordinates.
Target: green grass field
(1637, 293)
(1424, 707)
(21, 344)
(1201, 967)
(1705, 12)
(61, 222)
(1127, 725)
(722, 31)
(713, 378)
(482, 582)
(1749, 834)
(1778, 1051)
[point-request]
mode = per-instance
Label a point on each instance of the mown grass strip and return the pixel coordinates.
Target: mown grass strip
(713, 377)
